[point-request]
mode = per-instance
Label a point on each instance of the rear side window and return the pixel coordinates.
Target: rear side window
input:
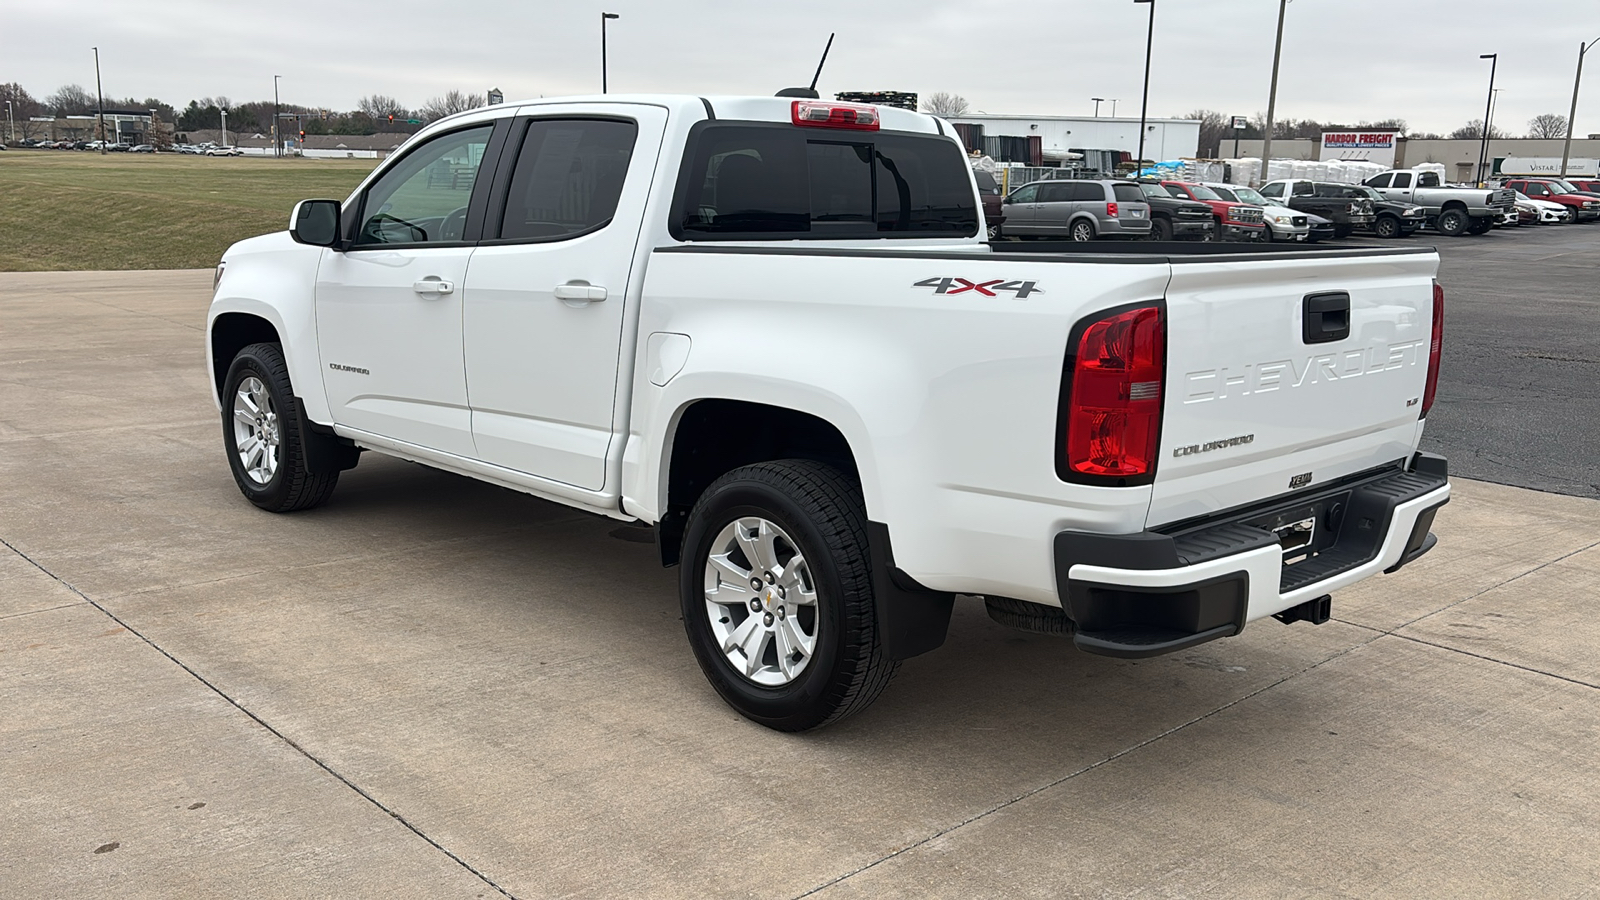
(1401, 180)
(1057, 193)
(756, 180)
(568, 177)
(1127, 193)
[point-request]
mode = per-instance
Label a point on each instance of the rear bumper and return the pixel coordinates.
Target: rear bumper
(1159, 591)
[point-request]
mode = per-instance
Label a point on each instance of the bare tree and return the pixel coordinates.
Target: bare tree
(70, 100)
(1214, 127)
(943, 103)
(450, 103)
(380, 107)
(1549, 125)
(23, 109)
(1473, 131)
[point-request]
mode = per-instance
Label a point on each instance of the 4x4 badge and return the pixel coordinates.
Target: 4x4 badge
(1021, 289)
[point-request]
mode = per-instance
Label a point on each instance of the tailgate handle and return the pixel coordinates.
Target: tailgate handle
(1326, 317)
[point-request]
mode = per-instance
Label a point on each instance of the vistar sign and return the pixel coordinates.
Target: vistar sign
(1368, 146)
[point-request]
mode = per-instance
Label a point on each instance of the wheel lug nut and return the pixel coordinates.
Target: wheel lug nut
(767, 620)
(755, 606)
(780, 592)
(770, 578)
(755, 584)
(781, 613)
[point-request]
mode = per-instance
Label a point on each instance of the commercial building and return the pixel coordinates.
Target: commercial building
(1045, 140)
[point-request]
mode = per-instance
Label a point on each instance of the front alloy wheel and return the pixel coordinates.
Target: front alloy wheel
(256, 435)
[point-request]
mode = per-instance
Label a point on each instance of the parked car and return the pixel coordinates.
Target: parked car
(1235, 221)
(1175, 218)
(1075, 437)
(1283, 223)
(1452, 211)
(142, 148)
(1319, 229)
(1585, 207)
(1079, 210)
(1543, 212)
(1330, 200)
(118, 147)
(990, 193)
(224, 151)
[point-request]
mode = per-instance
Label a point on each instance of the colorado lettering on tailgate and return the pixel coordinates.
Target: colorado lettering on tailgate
(1021, 289)
(1259, 378)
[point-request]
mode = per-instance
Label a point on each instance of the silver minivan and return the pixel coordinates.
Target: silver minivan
(1077, 210)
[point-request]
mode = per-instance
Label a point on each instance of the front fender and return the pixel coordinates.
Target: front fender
(274, 278)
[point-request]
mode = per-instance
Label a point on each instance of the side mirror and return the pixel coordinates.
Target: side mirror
(315, 222)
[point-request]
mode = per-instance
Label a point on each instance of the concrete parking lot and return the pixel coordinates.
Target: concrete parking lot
(435, 688)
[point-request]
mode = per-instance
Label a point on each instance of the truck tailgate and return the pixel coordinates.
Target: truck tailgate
(1266, 394)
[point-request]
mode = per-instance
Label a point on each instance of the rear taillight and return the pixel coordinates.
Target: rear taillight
(828, 114)
(1435, 348)
(1111, 421)
(1111, 210)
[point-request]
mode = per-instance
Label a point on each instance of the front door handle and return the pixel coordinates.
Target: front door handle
(581, 292)
(432, 285)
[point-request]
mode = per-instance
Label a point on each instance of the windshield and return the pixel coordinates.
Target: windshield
(1156, 191)
(1558, 187)
(1201, 192)
(1225, 194)
(1250, 195)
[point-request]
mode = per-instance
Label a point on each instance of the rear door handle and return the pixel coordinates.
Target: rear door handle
(432, 285)
(584, 293)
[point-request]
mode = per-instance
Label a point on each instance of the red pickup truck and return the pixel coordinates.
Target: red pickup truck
(1585, 207)
(1235, 221)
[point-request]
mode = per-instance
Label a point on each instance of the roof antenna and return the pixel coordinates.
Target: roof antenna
(810, 93)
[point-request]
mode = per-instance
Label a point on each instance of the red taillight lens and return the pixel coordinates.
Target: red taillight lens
(828, 114)
(1113, 415)
(1111, 210)
(1435, 349)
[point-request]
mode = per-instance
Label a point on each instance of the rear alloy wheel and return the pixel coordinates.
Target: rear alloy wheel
(1082, 231)
(777, 597)
(1452, 223)
(1386, 227)
(993, 232)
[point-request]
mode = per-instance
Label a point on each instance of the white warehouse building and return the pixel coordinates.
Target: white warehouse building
(1057, 135)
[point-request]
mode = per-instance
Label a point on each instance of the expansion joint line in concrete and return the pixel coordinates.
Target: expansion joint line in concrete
(1377, 634)
(259, 721)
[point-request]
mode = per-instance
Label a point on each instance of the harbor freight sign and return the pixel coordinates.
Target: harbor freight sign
(1367, 146)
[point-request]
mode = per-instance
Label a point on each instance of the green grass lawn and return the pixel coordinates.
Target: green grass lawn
(80, 210)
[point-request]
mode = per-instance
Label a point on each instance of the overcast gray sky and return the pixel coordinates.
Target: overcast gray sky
(1343, 59)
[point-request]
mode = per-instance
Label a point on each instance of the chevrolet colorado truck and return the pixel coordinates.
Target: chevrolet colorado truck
(772, 329)
(1452, 211)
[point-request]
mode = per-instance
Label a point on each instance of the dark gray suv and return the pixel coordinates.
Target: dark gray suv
(1076, 210)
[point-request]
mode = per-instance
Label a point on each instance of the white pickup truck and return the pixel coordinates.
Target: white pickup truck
(771, 329)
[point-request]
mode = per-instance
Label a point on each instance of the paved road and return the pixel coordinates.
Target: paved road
(1519, 389)
(435, 688)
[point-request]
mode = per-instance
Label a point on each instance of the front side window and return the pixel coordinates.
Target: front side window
(784, 181)
(568, 177)
(1274, 189)
(1027, 194)
(423, 198)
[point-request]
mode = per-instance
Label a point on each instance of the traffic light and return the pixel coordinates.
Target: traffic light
(391, 118)
(302, 135)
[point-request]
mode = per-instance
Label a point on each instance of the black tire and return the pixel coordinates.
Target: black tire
(1025, 616)
(1161, 229)
(1081, 231)
(821, 508)
(1386, 227)
(1343, 231)
(1481, 225)
(293, 486)
(1452, 223)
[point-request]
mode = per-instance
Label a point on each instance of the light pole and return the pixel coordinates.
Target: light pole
(11, 121)
(99, 103)
(1113, 107)
(1272, 96)
(603, 17)
(1566, 149)
(151, 137)
(224, 111)
(1488, 106)
(1097, 102)
(1144, 104)
(277, 145)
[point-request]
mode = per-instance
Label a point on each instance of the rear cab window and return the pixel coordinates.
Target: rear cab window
(750, 180)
